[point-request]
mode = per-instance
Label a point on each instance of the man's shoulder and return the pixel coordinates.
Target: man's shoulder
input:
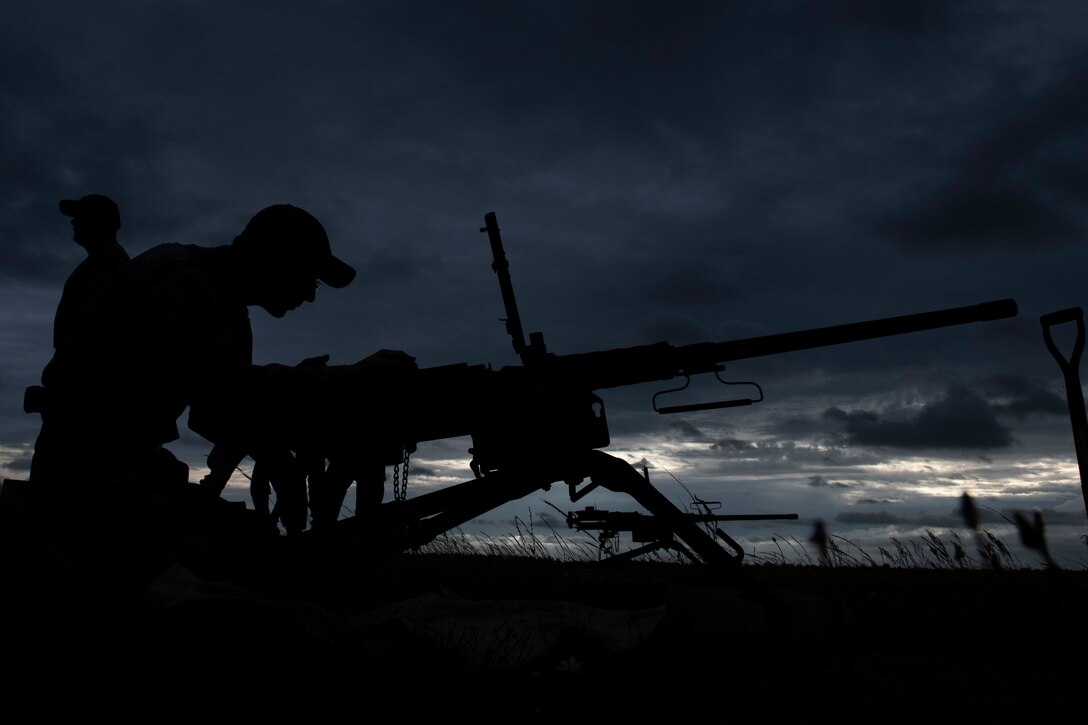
(111, 250)
(180, 273)
(104, 260)
(174, 261)
(95, 269)
(169, 252)
(115, 253)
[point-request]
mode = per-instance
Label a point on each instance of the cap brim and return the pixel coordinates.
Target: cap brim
(69, 207)
(337, 273)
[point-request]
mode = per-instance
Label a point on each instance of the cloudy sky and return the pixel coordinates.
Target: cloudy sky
(679, 171)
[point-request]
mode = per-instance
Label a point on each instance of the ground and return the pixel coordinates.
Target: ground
(536, 639)
(543, 640)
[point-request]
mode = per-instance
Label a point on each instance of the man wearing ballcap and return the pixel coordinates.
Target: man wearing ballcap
(171, 331)
(95, 222)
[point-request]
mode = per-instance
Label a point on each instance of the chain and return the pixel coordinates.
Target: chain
(400, 483)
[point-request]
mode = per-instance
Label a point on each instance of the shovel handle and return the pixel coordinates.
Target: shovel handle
(1072, 314)
(1074, 397)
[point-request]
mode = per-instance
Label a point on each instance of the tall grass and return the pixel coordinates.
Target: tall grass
(523, 541)
(933, 550)
(535, 537)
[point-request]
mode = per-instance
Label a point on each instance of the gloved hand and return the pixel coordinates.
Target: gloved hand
(288, 479)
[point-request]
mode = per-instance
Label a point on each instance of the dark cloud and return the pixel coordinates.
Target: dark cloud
(390, 268)
(879, 518)
(1022, 185)
(787, 455)
(686, 288)
(30, 163)
(797, 427)
(674, 328)
(1067, 175)
(1020, 395)
(960, 420)
(682, 430)
(1046, 125)
(820, 481)
(62, 138)
(734, 446)
(893, 17)
(418, 470)
(21, 462)
(934, 520)
(988, 216)
(574, 65)
(1050, 517)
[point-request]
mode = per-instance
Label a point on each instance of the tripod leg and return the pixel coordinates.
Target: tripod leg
(619, 476)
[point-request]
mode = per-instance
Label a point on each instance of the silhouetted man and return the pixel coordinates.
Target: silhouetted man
(171, 330)
(95, 223)
(96, 220)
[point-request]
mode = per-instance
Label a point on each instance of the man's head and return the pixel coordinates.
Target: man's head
(95, 220)
(285, 256)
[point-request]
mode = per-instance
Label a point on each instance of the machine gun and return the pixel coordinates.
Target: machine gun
(648, 530)
(541, 423)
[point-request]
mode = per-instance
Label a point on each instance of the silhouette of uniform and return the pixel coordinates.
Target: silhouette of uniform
(96, 220)
(171, 330)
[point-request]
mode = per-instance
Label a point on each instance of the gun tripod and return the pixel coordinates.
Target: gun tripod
(398, 526)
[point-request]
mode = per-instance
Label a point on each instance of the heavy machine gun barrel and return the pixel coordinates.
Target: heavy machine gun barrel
(662, 361)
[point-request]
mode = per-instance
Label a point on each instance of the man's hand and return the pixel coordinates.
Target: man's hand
(287, 476)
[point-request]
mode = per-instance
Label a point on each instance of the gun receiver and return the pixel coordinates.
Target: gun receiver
(662, 361)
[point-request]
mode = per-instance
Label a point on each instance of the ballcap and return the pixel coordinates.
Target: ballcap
(300, 238)
(93, 206)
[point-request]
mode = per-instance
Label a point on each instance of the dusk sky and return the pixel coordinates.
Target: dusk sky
(681, 171)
